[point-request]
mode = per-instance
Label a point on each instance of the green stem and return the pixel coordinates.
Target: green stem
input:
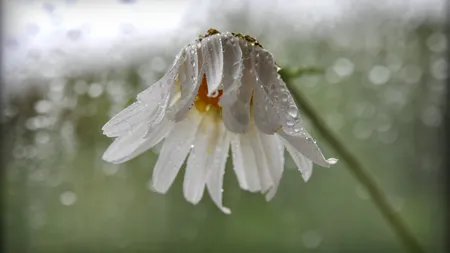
(356, 168)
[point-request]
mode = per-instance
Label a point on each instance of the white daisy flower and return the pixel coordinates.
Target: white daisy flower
(222, 92)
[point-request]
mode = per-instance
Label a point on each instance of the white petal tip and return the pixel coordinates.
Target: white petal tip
(271, 193)
(332, 161)
(107, 158)
(269, 197)
(306, 176)
(157, 189)
(225, 210)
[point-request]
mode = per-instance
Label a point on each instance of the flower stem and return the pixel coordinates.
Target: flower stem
(355, 167)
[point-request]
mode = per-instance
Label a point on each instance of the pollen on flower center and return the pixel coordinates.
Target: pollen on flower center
(203, 102)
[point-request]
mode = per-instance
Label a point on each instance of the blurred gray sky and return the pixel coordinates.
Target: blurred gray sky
(47, 39)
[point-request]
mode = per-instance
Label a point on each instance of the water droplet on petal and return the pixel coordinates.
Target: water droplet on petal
(214, 94)
(292, 111)
(332, 161)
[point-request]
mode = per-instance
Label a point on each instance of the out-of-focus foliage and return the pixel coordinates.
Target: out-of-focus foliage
(382, 91)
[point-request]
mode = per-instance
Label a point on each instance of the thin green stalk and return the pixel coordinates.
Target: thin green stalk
(356, 168)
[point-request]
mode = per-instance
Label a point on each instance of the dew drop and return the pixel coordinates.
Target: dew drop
(284, 97)
(292, 111)
(214, 94)
(290, 123)
(332, 161)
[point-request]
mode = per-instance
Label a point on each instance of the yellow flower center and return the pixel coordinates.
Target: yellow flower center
(203, 102)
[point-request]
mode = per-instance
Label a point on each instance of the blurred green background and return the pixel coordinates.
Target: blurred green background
(382, 92)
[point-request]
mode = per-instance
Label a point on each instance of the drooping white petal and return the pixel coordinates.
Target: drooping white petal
(212, 54)
(236, 117)
(244, 163)
(159, 94)
(237, 114)
(155, 135)
(287, 108)
(176, 147)
(125, 145)
(293, 130)
(262, 163)
(307, 146)
(216, 164)
(150, 107)
(136, 142)
(265, 111)
(274, 151)
(192, 74)
(188, 71)
(304, 165)
(196, 168)
(127, 119)
(233, 66)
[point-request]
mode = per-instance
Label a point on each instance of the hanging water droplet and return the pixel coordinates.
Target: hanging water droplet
(290, 123)
(214, 94)
(292, 111)
(332, 160)
(284, 97)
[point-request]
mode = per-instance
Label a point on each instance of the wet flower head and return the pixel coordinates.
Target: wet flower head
(222, 91)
